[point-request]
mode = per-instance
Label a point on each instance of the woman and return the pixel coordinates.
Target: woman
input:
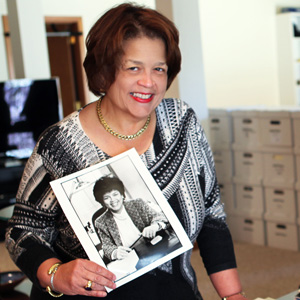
(132, 58)
(123, 223)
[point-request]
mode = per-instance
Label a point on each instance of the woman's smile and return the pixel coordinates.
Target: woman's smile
(142, 97)
(113, 200)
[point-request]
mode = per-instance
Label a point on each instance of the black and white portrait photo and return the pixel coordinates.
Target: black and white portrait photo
(121, 217)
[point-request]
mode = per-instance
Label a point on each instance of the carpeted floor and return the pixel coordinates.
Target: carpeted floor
(264, 271)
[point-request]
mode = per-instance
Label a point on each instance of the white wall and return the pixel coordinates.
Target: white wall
(239, 51)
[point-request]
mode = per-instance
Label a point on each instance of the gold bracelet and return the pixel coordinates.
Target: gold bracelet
(51, 272)
(239, 293)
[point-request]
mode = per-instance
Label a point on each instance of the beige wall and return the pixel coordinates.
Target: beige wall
(239, 51)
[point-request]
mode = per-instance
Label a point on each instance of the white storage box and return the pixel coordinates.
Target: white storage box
(276, 128)
(220, 127)
(282, 235)
(248, 165)
(298, 204)
(295, 115)
(280, 204)
(247, 229)
(246, 128)
(297, 158)
(279, 167)
(224, 164)
(249, 199)
(227, 196)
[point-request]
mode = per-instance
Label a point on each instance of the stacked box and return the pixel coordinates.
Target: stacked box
(247, 229)
(296, 138)
(276, 128)
(279, 167)
(224, 164)
(248, 177)
(297, 187)
(261, 191)
(250, 199)
(246, 128)
(220, 136)
(295, 115)
(282, 235)
(280, 204)
(279, 178)
(220, 128)
(248, 165)
(227, 196)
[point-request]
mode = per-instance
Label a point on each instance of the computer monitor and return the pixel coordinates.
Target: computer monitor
(27, 108)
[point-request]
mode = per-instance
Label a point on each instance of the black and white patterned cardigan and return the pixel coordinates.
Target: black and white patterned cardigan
(180, 161)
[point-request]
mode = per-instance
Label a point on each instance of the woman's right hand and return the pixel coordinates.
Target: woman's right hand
(121, 252)
(72, 277)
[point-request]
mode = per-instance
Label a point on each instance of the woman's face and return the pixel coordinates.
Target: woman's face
(113, 200)
(141, 80)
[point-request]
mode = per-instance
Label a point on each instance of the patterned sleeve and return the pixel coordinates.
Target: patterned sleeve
(214, 240)
(31, 230)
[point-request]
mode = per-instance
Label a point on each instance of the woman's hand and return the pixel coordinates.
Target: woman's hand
(121, 252)
(150, 231)
(72, 277)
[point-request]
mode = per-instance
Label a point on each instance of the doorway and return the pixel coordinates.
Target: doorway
(66, 55)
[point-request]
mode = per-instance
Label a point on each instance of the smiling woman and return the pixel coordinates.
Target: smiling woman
(132, 58)
(139, 86)
(123, 223)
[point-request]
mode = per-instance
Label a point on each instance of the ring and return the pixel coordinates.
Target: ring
(88, 286)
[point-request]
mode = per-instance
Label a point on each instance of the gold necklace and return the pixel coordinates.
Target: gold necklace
(116, 134)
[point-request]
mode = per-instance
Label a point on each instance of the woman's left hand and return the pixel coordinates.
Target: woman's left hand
(150, 231)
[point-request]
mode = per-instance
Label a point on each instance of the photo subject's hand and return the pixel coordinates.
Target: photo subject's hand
(122, 252)
(150, 231)
(73, 277)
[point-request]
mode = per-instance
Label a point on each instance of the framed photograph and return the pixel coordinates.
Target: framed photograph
(121, 217)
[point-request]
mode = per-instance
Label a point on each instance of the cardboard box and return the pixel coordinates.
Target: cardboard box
(247, 229)
(280, 204)
(246, 128)
(282, 235)
(276, 128)
(250, 199)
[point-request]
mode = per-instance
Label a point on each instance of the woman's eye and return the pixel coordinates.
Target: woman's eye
(160, 69)
(133, 68)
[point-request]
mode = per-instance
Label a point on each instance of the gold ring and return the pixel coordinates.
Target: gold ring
(88, 286)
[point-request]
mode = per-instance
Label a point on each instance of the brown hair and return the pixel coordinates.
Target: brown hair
(105, 40)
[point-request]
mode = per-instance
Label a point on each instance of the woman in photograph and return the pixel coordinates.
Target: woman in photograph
(123, 223)
(132, 58)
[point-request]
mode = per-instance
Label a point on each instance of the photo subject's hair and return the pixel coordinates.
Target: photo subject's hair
(105, 185)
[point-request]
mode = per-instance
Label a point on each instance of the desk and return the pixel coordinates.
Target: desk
(148, 253)
(144, 253)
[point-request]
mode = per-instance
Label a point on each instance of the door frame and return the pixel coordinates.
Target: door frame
(83, 91)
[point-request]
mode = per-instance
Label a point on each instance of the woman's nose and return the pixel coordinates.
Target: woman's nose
(146, 80)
